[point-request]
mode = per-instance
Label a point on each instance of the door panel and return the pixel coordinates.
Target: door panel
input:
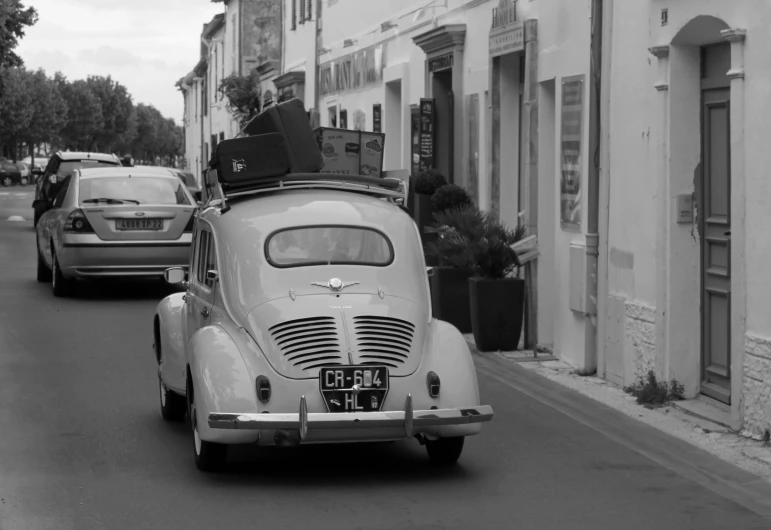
(715, 228)
(200, 296)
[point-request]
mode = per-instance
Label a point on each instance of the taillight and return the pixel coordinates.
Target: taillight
(263, 389)
(78, 224)
(433, 383)
(189, 225)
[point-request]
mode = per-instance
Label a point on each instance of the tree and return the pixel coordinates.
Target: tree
(16, 110)
(243, 95)
(49, 111)
(84, 114)
(14, 17)
(116, 111)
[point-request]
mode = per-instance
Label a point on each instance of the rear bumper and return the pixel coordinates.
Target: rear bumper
(352, 426)
(87, 256)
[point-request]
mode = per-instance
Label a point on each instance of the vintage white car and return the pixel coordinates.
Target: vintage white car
(307, 319)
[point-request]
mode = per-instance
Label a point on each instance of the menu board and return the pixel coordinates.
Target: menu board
(351, 152)
(426, 133)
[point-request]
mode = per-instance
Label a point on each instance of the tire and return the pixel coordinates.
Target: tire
(209, 456)
(445, 451)
(7, 182)
(62, 287)
(173, 406)
(44, 274)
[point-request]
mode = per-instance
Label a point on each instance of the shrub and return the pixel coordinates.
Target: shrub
(428, 181)
(450, 196)
(652, 393)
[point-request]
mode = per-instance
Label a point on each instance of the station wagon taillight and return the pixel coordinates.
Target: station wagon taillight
(77, 223)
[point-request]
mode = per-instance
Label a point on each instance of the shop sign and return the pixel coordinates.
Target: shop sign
(351, 152)
(353, 71)
(427, 119)
(377, 118)
(443, 62)
(508, 39)
(571, 140)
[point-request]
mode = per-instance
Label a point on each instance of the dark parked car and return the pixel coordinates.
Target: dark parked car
(10, 173)
(60, 166)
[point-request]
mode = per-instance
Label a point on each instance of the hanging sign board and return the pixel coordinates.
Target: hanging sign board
(351, 152)
(427, 119)
(443, 62)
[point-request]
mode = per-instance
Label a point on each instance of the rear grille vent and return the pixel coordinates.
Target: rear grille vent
(383, 340)
(309, 343)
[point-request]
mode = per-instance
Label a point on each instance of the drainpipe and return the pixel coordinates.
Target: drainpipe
(316, 72)
(593, 189)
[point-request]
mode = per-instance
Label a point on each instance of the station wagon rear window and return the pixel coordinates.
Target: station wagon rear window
(68, 167)
(141, 190)
(328, 245)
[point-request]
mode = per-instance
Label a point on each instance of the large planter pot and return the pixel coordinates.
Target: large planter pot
(497, 308)
(450, 296)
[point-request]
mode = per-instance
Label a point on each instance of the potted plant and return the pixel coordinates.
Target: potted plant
(450, 251)
(424, 185)
(496, 295)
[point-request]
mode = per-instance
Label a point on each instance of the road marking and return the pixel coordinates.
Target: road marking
(16, 218)
(4, 193)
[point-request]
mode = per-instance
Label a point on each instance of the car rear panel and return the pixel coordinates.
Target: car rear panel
(125, 222)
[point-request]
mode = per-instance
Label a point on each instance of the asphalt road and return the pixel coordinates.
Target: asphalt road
(83, 446)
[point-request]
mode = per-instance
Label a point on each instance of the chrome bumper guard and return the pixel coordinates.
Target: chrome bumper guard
(409, 419)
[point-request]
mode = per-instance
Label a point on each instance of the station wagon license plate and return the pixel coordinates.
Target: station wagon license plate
(337, 388)
(139, 224)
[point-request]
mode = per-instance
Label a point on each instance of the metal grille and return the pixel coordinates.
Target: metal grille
(309, 343)
(383, 340)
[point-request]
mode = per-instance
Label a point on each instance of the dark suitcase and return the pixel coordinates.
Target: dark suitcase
(244, 161)
(290, 119)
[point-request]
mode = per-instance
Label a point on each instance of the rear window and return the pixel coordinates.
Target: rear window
(328, 245)
(68, 167)
(144, 190)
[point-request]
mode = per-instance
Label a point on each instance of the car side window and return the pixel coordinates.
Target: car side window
(211, 261)
(203, 249)
(59, 200)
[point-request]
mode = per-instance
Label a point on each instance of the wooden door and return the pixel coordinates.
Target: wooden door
(714, 210)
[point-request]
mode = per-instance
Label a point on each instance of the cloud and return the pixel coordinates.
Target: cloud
(146, 45)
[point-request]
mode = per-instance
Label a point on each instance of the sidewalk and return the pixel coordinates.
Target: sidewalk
(715, 438)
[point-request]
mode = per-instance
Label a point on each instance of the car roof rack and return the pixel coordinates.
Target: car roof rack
(392, 189)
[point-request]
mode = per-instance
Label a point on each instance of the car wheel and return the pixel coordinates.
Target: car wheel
(61, 285)
(44, 274)
(173, 406)
(445, 451)
(7, 182)
(209, 456)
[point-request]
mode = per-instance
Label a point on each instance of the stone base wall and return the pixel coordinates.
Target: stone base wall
(640, 339)
(756, 391)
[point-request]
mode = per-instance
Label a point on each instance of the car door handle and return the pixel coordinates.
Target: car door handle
(205, 312)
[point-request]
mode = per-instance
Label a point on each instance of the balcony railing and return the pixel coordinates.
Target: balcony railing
(503, 16)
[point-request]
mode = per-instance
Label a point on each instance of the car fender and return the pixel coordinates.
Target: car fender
(446, 353)
(220, 378)
(169, 341)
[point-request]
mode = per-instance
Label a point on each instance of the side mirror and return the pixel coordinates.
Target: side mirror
(212, 276)
(430, 271)
(174, 275)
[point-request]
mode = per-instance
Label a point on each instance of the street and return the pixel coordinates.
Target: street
(83, 445)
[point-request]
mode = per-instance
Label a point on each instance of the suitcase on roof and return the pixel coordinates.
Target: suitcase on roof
(290, 119)
(243, 161)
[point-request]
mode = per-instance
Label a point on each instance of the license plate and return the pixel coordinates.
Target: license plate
(337, 385)
(139, 224)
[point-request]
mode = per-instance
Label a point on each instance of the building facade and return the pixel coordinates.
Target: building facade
(685, 269)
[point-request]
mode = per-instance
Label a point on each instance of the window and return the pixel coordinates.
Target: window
(343, 119)
(222, 136)
(328, 245)
(211, 262)
(203, 249)
(68, 167)
(59, 200)
(294, 13)
(144, 190)
(302, 11)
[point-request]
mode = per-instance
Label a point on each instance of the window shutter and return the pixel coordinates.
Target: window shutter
(302, 11)
(294, 14)
(310, 9)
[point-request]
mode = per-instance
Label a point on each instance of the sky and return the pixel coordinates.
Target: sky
(146, 45)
